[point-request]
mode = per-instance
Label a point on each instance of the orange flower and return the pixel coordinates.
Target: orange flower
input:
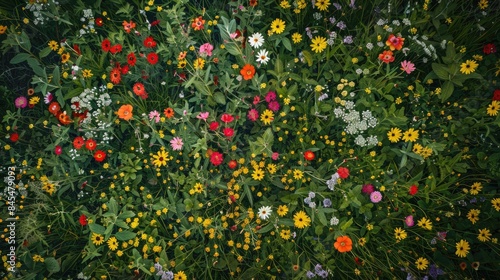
(128, 26)
(64, 119)
(139, 89)
(115, 76)
(169, 112)
(386, 56)
(248, 71)
(198, 23)
(343, 244)
(395, 43)
(125, 112)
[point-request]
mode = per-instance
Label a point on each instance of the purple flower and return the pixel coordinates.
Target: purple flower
(409, 221)
(341, 25)
(376, 197)
(348, 40)
(310, 274)
(21, 102)
(327, 202)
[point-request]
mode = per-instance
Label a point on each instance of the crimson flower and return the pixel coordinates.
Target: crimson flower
(149, 42)
(106, 45)
(83, 220)
(90, 144)
(99, 21)
(413, 190)
(115, 49)
(214, 125)
(496, 95)
(343, 172)
(309, 155)
(152, 58)
(489, 48)
(131, 59)
(124, 69)
(216, 158)
(78, 142)
(58, 150)
(14, 137)
(99, 156)
(227, 118)
(228, 132)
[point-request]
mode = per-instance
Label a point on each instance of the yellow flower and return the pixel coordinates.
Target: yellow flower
(425, 223)
(87, 73)
(199, 63)
(322, 5)
(267, 117)
(278, 26)
(318, 44)
(285, 4)
(296, 38)
(97, 239)
(422, 263)
(493, 108)
(462, 248)
(394, 134)
(484, 235)
(65, 57)
(34, 100)
(53, 45)
(112, 243)
(285, 234)
(496, 203)
(297, 174)
(160, 159)
(301, 220)
(475, 188)
(180, 276)
(258, 174)
(473, 215)
(468, 67)
(399, 233)
(483, 4)
(410, 135)
(282, 210)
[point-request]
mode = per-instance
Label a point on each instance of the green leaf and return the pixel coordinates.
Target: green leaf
(20, 57)
(287, 44)
(35, 65)
(125, 235)
(446, 91)
(113, 206)
(43, 53)
(346, 225)
(52, 265)
(441, 71)
(96, 228)
(220, 98)
(308, 58)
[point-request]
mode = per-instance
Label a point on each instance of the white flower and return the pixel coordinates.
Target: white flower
(256, 40)
(262, 57)
(265, 212)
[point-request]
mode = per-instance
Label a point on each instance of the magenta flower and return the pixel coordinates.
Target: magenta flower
(376, 197)
(407, 66)
(368, 189)
(275, 156)
(253, 115)
(58, 150)
(270, 96)
(409, 221)
(176, 143)
(154, 115)
(21, 102)
(273, 106)
(207, 49)
(203, 116)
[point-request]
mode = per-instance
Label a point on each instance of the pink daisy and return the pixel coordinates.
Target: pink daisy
(176, 143)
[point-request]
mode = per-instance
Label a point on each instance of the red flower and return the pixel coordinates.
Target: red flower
(124, 69)
(216, 158)
(115, 49)
(14, 137)
(226, 118)
(343, 172)
(489, 49)
(228, 132)
(83, 220)
(99, 21)
(253, 3)
(198, 23)
(139, 89)
(496, 94)
(386, 56)
(78, 142)
(216, 80)
(152, 58)
(232, 164)
(77, 49)
(115, 75)
(155, 23)
(54, 108)
(413, 190)
(90, 144)
(58, 150)
(149, 42)
(106, 45)
(131, 59)
(309, 155)
(214, 125)
(99, 156)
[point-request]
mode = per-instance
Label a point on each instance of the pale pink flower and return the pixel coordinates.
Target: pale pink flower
(203, 115)
(253, 115)
(154, 115)
(176, 143)
(407, 66)
(206, 48)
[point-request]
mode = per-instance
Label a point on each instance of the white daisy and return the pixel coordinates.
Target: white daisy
(265, 212)
(256, 40)
(262, 56)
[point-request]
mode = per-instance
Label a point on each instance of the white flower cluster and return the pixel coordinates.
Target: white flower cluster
(89, 27)
(357, 123)
(429, 50)
(40, 10)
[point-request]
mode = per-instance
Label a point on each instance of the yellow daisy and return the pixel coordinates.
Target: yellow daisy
(468, 67)
(301, 220)
(394, 134)
(297, 174)
(422, 263)
(296, 38)
(473, 215)
(267, 117)
(425, 223)
(496, 203)
(493, 108)
(160, 159)
(318, 44)
(462, 248)
(278, 26)
(180, 276)
(199, 63)
(484, 235)
(282, 210)
(475, 188)
(399, 233)
(411, 135)
(97, 239)
(258, 174)
(322, 5)
(112, 243)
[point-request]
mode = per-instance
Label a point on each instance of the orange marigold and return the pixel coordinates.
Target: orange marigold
(248, 71)
(343, 244)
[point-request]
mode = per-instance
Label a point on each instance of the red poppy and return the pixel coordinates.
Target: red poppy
(228, 132)
(14, 137)
(248, 71)
(90, 144)
(83, 220)
(182, 78)
(227, 118)
(139, 89)
(99, 156)
(54, 108)
(198, 23)
(386, 56)
(343, 172)
(496, 95)
(131, 59)
(106, 45)
(216, 158)
(99, 21)
(309, 155)
(58, 150)
(152, 58)
(214, 125)
(124, 69)
(115, 49)
(489, 48)
(149, 42)
(80, 116)
(413, 190)
(78, 142)
(64, 119)
(115, 76)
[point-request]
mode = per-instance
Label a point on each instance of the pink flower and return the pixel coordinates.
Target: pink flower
(227, 118)
(273, 106)
(206, 48)
(270, 96)
(253, 115)
(21, 102)
(407, 66)
(275, 156)
(48, 98)
(176, 143)
(58, 150)
(154, 115)
(409, 221)
(368, 189)
(256, 100)
(376, 197)
(228, 132)
(203, 116)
